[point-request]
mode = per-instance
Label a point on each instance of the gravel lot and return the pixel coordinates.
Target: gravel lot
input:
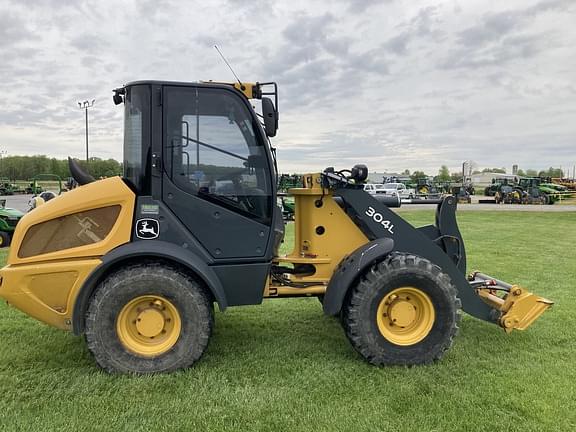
(497, 207)
(20, 202)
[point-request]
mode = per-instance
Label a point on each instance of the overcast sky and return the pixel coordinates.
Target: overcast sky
(389, 83)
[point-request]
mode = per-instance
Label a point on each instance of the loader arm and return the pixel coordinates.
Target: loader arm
(370, 214)
(443, 245)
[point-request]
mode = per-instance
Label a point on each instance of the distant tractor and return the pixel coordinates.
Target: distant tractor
(495, 186)
(9, 218)
(569, 184)
(289, 181)
(462, 194)
(43, 182)
(561, 190)
(7, 187)
(425, 188)
(535, 188)
(508, 194)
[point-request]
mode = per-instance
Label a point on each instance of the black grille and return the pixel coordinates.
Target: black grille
(12, 221)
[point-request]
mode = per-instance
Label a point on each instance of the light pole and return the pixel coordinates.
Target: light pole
(2, 153)
(85, 105)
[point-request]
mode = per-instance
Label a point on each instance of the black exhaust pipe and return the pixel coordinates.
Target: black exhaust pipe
(78, 174)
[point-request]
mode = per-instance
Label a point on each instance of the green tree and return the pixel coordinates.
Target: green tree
(456, 176)
(551, 172)
(495, 170)
(531, 173)
(26, 167)
(418, 175)
(443, 174)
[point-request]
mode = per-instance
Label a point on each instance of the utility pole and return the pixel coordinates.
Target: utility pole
(2, 153)
(85, 105)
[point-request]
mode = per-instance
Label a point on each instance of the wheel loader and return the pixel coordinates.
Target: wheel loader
(136, 263)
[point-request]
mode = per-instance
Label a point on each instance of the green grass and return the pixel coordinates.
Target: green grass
(283, 366)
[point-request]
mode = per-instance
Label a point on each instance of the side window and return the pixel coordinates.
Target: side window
(211, 150)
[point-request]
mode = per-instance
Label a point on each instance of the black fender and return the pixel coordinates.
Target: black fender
(350, 268)
(154, 249)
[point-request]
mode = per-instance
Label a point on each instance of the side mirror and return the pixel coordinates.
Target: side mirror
(270, 117)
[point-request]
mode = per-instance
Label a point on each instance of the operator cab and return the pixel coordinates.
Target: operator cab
(201, 150)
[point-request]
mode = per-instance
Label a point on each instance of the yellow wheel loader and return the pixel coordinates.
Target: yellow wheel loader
(136, 263)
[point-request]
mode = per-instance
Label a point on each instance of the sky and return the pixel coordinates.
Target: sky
(392, 84)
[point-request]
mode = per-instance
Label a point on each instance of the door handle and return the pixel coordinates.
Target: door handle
(156, 161)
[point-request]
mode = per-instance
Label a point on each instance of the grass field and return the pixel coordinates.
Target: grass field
(284, 366)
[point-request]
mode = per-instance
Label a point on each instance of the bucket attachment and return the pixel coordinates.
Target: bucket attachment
(516, 309)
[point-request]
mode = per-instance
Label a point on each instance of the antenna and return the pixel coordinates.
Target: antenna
(228, 64)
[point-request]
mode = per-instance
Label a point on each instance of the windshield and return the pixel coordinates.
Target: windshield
(390, 186)
(212, 150)
(136, 135)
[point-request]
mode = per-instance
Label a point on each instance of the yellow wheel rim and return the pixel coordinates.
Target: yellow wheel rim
(405, 316)
(148, 325)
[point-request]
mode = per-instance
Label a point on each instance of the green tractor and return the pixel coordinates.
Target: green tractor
(9, 218)
(287, 205)
(426, 189)
(563, 191)
(534, 188)
(44, 182)
(289, 181)
(285, 201)
(506, 192)
(7, 187)
(495, 186)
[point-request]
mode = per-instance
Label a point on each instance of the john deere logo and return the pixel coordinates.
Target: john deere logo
(147, 229)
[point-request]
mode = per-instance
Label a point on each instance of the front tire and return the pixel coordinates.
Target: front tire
(147, 319)
(403, 311)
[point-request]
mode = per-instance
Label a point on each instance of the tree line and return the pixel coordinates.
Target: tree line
(26, 167)
(444, 175)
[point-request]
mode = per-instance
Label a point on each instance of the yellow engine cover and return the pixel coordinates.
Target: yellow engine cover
(57, 245)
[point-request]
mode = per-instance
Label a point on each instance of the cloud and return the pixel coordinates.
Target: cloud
(392, 84)
(89, 43)
(13, 30)
(362, 6)
(500, 37)
(425, 25)
(509, 49)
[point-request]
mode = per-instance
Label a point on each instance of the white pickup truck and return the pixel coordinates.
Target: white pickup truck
(392, 199)
(393, 189)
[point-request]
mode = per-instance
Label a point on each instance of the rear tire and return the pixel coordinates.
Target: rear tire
(147, 319)
(418, 297)
(4, 239)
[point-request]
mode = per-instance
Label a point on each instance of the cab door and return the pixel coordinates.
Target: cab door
(216, 171)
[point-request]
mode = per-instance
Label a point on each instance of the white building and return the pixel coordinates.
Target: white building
(482, 180)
